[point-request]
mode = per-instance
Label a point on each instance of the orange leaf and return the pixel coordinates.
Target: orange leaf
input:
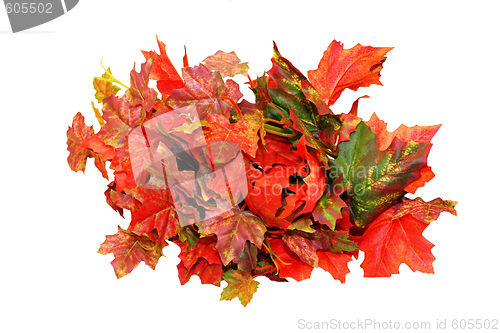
(163, 71)
(334, 263)
(352, 68)
(388, 242)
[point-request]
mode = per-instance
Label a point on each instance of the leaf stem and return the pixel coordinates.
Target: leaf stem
(113, 79)
(233, 103)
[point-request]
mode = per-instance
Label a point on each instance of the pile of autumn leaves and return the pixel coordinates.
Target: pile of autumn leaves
(321, 187)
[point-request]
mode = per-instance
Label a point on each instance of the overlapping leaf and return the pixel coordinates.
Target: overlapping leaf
(376, 179)
(208, 273)
(424, 211)
(244, 132)
(156, 212)
(104, 88)
(233, 229)
(78, 133)
(204, 89)
(321, 187)
(123, 114)
(129, 250)
(163, 71)
(227, 64)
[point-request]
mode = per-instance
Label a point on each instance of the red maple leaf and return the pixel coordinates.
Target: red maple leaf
(204, 248)
(163, 71)
(334, 263)
(351, 68)
(244, 132)
(392, 240)
(233, 229)
(130, 249)
(208, 273)
(288, 262)
(157, 211)
(123, 114)
(78, 133)
(205, 89)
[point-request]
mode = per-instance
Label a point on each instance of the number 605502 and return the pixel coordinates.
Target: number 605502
(31, 7)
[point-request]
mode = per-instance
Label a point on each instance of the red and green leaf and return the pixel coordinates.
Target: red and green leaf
(129, 249)
(233, 229)
(376, 179)
(239, 284)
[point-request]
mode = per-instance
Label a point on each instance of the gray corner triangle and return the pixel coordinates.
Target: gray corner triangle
(70, 4)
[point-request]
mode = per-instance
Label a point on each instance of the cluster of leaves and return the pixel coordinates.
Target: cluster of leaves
(321, 186)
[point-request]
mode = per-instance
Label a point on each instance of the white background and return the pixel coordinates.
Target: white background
(444, 70)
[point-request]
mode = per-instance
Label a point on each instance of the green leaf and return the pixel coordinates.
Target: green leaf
(104, 88)
(327, 210)
(302, 224)
(375, 180)
(239, 284)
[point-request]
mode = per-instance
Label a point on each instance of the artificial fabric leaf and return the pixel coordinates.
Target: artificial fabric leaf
(335, 264)
(288, 263)
(305, 245)
(247, 259)
(204, 89)
(426, 174)
(243, 133)
(388, 242)
(310, 139)
(76, 134)
(98, 115)
(204, 248)
(290, 80)
(104, 88)
(100, 152)
(139, 94)
(163, 71)
(302, 224)
(349, 121)
(278, 150)
(157, 211)
(208, 273)
(375, 180)
(123, 114)
(424, 211)
(121, 164)
(351, 68)
(328, 209)
(239, 284)
(227, 64)
(185, 61)
(421, 134)
(129, 250)
(233, 229)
